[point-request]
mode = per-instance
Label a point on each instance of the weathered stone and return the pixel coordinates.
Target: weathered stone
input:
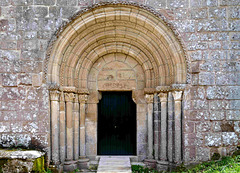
(234, 12)
(235, 104)
(44, 2)
(9, 80)
(206, 78)
(217, 12)
(203, 126)
(219, 105)
(198, 13)
(216, 126)
(64, 12)
(199, 104)
(66, 2)
(226, 78)
(234, 25)
(203, 154)
(214, 92)
(233, 115)
(177, 4)
(198, 93)
(213, 139)
(229, 138)
(229, 2)
(35, 12)
(22, 2)
(217, 115)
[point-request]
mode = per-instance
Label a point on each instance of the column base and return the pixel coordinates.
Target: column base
(165, 166)
(150, 163)
(82, 163)
(69, 166)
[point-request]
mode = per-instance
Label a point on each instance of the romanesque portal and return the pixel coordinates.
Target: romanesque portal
(117, 48)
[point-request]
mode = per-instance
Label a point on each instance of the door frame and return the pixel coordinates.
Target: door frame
(100, 93)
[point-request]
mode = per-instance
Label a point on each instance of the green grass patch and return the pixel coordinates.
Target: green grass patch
(225, 165)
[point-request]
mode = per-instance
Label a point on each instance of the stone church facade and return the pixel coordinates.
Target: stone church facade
(178, 59)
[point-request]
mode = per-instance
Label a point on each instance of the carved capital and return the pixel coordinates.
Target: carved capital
(177, 95)
(163, 97)
(178, 87)
(62, 97)
(54, 95)
(83, 98)
(163, 88)
(149, 98)
(69, 97)
(75, 100)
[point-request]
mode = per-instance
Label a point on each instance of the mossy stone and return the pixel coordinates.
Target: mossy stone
(38, 165)
(215, 156)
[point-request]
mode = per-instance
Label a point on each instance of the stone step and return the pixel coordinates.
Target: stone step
(114, 164)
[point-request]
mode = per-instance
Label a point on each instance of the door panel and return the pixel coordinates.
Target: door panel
(116, 124)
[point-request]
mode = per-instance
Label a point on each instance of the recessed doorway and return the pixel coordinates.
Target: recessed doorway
(116, 124)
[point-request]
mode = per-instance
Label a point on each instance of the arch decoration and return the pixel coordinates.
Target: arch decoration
(116, 47)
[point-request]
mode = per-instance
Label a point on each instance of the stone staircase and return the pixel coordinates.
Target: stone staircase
(114, 164)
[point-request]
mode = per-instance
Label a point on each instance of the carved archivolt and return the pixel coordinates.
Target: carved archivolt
(116, 28)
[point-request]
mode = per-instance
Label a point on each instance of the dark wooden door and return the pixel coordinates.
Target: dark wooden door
(116, 124)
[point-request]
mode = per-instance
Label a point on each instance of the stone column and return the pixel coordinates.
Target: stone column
(76, 128)
(170, 127)
(54, 96)
(177, 95)
(163, 148)
(69, 124)
(82, 162)
(62, 128)
(82, 99)
(149, 99)
(156, 126)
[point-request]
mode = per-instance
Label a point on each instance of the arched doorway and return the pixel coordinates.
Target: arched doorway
(115, 47)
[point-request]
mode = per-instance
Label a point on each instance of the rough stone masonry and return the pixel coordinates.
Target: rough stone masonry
(209, 31)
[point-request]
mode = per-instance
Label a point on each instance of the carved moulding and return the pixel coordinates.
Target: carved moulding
(174, 87)
(71, 19)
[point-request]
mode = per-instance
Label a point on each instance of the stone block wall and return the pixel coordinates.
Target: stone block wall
(209, 30)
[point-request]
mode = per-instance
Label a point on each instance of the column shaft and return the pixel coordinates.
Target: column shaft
(69, 124)
(178, 126)
(156, 127)
(170, 127)
(54, 95)
(149, 98)
(82, 100)
(62, 128)
(163, 149)
(76, 128)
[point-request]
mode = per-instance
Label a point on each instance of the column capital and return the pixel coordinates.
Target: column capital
(75, 100)
(163, 96)
(61, 97)
(83, 98)
(69, 97)
(177, 95)
(149, 98)
(54, 95)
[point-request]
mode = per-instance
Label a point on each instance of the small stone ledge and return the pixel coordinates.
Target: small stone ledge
(16, 154)
(21, 161)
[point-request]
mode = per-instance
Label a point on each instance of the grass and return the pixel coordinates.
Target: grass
(225, 165)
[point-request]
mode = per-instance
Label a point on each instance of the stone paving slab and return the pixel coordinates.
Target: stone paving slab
(114, 164)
